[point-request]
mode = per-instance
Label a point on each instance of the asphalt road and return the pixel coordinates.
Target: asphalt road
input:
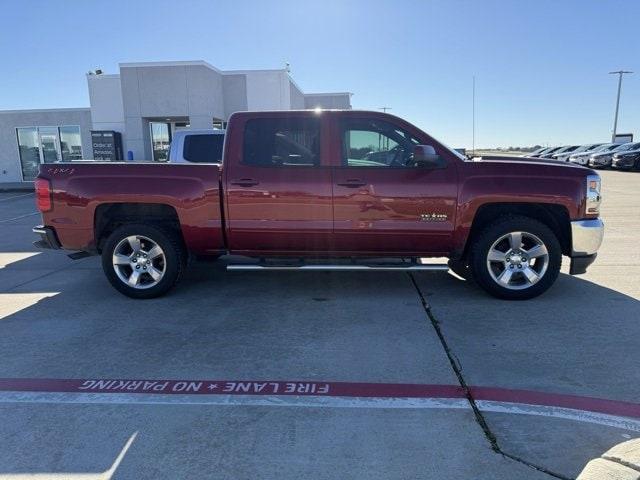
(315, 375)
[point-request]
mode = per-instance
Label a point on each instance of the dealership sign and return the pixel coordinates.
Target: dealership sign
(107, 145)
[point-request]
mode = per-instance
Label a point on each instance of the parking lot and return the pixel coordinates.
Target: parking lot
(315, 375)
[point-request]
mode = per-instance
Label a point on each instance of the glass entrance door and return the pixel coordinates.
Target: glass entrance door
(49, 144)
(160, 140)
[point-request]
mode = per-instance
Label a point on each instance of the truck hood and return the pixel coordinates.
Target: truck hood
(526, 160)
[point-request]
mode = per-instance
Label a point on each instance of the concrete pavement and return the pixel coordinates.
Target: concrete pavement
(60, 319)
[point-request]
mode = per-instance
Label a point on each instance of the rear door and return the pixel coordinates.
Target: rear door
(278, 189)
(383, 200)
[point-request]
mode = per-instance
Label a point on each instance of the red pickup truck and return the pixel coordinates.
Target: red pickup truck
(329, 190)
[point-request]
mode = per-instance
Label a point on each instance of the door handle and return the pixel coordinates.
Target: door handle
(352, 183)
(245, 182)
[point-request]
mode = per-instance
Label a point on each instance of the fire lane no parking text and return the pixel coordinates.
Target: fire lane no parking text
(320, 394)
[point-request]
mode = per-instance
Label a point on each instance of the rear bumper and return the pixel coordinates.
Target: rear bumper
(586, 238)
(48, 237)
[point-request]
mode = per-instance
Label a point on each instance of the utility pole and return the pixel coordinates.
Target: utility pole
(384, 109)
(620, 73)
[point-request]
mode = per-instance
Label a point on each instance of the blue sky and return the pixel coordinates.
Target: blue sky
(540, 66)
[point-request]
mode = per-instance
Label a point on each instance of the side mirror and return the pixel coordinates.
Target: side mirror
(426, 156)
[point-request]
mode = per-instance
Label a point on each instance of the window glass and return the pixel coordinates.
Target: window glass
(70, 143)
(371, 143)
(282, 142)
(203, 148)
(627, 146)
(160, 140)
(50, 144)
(29, 147)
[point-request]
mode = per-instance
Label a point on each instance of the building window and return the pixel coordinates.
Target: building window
(29, 146)
(70, 143)
(47, 145)
(160, 140)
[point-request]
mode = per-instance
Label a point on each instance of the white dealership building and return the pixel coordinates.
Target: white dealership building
(139, 109)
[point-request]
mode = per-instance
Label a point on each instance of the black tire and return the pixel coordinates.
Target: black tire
(174, 259)
(492, 233)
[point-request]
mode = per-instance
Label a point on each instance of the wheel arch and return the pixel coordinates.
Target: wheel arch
(110, 216)
(554, 216)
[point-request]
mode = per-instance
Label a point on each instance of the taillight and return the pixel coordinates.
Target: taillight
(43, 194)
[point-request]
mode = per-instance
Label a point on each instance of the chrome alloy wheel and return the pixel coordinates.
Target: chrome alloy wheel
(139, 262)
(517, 260)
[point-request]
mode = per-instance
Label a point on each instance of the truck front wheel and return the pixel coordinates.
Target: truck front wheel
(516, 258)
(142, 261)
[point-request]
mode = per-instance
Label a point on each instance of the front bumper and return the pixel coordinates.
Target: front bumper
(623, 162)
(600, 162)
(48, 238)
(580, 160)
(586, 238)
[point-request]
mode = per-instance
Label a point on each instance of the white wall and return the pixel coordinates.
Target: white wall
(105, 96)
(268, 90)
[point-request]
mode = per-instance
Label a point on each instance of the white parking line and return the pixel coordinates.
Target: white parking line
(16, 196)
(485, 406)
(19, 217)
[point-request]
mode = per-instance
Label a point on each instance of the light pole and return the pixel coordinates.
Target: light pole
(615, 120)
(473, 116)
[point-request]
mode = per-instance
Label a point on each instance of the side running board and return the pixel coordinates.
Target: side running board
(344, 268)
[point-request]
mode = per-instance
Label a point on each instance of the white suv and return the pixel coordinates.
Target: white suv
(196, 146)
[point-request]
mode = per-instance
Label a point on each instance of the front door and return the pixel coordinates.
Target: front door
(383, 200)
(278, 190)
(160, 133)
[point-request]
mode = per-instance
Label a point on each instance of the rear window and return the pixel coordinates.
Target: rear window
(273, 142)
(203, 148)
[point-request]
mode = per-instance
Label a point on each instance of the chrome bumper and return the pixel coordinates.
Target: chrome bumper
(586, 237)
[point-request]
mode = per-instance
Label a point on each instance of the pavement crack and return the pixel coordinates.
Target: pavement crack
(456, 366)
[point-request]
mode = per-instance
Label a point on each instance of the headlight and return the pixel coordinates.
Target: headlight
(593, 194)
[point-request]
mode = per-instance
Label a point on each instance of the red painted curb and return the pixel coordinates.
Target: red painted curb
(576, 402)
(317, 389)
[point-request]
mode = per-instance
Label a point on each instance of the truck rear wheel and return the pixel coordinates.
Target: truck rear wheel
(142, 261)
(516, 258)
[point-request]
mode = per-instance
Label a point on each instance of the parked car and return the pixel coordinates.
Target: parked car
(604, 159)
(582, 158)
(196, 146)
(536, 152)
(546, 151)
(581, 149)
(335, 185)
(627, 158)
(565, 149)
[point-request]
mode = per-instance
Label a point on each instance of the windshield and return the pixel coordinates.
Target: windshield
(628, 146)
(601, 148)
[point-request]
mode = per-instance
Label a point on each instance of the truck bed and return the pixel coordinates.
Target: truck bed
(192, 191)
